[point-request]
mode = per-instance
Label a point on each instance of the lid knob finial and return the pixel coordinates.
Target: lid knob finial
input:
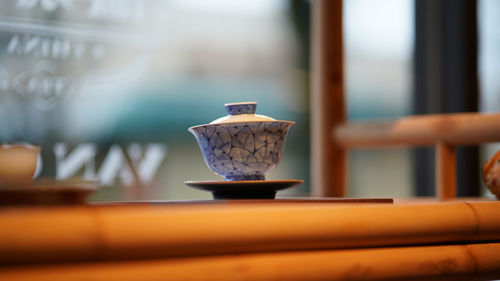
(240, 108)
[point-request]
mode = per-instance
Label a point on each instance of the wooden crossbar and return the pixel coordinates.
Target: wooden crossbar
(445, 131)
(454, 129)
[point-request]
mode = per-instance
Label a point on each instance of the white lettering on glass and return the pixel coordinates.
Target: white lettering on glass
(46, 5)
(153, 157)
(42, 82)
(111, 166)
(118, 10)
(146, 163)
(146, 160)
(69, 164)
(53, 47)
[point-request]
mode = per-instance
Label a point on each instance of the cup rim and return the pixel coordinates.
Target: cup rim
(251, 122)
(6, 146)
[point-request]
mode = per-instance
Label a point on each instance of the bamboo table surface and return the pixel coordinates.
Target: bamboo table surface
(292, 241)
(301, 200)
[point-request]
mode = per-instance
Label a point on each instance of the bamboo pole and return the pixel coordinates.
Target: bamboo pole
(47, 235)
(446, 171)
(402, 263)
(109, 233)
(454, 129)
(328, 163)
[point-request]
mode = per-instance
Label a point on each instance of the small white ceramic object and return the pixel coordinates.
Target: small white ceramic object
(17, 164)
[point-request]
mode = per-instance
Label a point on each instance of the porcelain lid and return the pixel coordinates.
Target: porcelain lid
(241, 112)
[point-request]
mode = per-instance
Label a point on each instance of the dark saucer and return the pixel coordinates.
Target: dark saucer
(48, 192)
(260, 189)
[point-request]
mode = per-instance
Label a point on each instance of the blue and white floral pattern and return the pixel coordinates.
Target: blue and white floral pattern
(242, 151)
(240, 108)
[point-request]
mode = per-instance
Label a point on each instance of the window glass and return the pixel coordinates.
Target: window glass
(105, 85)
(489, 56)
(378, 58)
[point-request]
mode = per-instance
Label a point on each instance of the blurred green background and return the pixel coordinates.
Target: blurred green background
(97, 82)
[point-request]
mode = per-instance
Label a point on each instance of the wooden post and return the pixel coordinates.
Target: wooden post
(446, 177)
(328, 159)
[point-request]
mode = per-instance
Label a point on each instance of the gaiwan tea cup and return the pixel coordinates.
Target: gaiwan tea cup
(17, 164)
(242, 145)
